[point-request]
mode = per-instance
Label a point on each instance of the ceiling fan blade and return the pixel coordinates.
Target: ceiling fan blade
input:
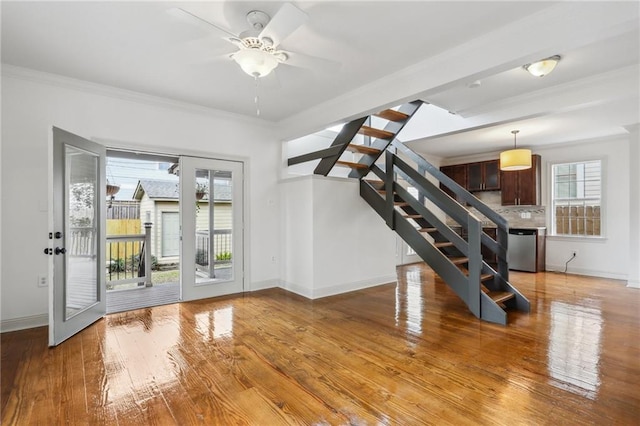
(193, 19)
(314, 63)
(285, 21)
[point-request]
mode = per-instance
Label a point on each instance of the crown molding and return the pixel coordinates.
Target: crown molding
(56, 80)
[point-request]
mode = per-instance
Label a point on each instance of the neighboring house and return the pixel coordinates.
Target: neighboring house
(160, 200)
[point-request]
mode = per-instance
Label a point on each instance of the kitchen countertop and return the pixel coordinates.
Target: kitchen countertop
(529, 227)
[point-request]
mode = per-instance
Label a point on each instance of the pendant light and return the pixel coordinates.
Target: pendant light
(515, 159)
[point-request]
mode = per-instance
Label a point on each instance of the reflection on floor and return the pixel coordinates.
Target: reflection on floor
(405, 353)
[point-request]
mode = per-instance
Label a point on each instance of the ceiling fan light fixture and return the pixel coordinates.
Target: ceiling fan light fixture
(515, 159)
(543, 67)
(255, 62)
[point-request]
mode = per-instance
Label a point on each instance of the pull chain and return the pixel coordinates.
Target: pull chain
(257, 98)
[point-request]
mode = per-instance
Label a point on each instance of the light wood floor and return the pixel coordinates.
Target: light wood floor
(400, 354)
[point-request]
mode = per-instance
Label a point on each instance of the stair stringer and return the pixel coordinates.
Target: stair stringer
(441, 265)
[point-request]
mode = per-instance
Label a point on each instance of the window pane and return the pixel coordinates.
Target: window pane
(580, 183)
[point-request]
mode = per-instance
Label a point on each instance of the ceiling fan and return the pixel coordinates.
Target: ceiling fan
(258, 52)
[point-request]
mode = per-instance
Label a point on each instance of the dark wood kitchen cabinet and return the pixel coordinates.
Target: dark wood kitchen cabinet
(483, 176)
(458, 173)
(522, 187)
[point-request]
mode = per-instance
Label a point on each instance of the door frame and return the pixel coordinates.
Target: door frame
(136, 148)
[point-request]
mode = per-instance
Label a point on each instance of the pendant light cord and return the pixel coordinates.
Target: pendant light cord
(257, 98)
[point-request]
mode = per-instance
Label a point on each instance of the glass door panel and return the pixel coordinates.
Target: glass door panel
(214, 226)
(78, 296)
(81, 205)
(212, 230)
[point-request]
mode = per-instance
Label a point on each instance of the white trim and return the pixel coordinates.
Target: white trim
(587, 272)
(354, 286)
(333, 290)
(22, 323)
(633, 284)
(57, 80)
(579, 238)
(264, 285)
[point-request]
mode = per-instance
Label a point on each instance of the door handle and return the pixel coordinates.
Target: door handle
(48, 251)
(58, 235)
(60, 250)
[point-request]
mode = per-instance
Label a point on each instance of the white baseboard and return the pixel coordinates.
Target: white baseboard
(353, 286)
(22, 323)
(633, 284)
(263, 285)
(587, 272)
(300, 290)
(317, 293)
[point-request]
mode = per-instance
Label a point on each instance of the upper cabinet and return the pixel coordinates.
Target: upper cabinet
(522, 188)
(458, 173)
(483, 176)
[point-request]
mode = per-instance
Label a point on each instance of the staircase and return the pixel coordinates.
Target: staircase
(382, 164)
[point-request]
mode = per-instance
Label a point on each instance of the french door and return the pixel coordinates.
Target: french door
(78, 295)
(211, 232)
(211, 216)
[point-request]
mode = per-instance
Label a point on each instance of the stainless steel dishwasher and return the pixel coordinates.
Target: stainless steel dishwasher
(521, 252)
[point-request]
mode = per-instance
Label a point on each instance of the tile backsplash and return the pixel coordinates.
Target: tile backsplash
(517, 216)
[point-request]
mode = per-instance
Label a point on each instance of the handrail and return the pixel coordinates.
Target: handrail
(501, 223)
(129, 237)
(464, 195)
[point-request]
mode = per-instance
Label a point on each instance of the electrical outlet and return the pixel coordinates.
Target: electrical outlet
(273, 259)
(42, 280)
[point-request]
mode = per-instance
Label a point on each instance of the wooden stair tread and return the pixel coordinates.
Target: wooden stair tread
(483, 277)
(375, 133)
(400, 204)
(351, 164)
(427, 230)
(363, 149)
(459, 260)
(500, 296)
(443, 244)
(412, 216)
(392, 115)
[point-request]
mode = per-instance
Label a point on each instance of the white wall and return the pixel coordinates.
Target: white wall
(32, 103)
(608, 256)
(334, 241)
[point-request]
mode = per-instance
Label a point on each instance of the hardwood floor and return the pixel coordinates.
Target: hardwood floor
(396, 354)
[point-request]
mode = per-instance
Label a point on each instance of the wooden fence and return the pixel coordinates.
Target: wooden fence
(124, 210)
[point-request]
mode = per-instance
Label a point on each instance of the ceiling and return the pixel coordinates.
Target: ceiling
(369, 55)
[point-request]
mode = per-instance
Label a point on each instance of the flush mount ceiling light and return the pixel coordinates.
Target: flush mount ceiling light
(543, 67)
(515, 159)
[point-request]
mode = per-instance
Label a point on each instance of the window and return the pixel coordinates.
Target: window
(576, 198)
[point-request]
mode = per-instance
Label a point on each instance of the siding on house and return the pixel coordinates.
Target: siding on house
(222, 220)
